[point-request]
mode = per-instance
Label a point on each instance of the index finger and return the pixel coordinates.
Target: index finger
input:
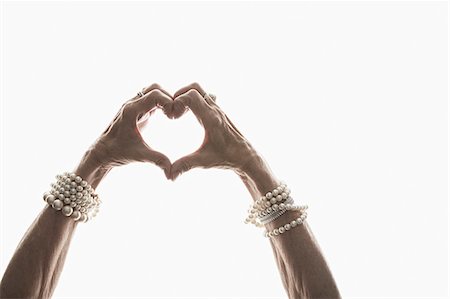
(194, 86)
(154, 98)
(146, 90)
(193, 100)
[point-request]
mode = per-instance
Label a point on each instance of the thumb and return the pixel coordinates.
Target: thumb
(158, 159)
(184, 164)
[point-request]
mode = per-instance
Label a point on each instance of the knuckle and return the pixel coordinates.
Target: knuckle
(155, 93)
(217, 120)
(154, 86)
(126, 103)
(193, 93)
(150, 98)
(185, 167)
(127, 109)
(195, 85)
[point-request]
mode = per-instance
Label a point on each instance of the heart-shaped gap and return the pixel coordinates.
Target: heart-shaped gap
(174, 138)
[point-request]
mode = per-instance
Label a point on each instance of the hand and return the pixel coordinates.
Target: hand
(121, 143)
(223, 146)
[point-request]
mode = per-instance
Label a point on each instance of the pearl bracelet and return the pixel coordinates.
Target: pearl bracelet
(74, 197)
(271, 206)
(277, 214)
(276, 207)
(287, 226)
(271, 199)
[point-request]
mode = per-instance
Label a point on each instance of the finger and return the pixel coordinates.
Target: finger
(151, 100)
(196, 103)
(146, 90)
(156, 158)
(209, 98)
(185, 89)
(138, 97)
(184, 164)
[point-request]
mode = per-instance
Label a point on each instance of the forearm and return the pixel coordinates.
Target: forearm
(35, 266)
(39, 258)
(303, 269)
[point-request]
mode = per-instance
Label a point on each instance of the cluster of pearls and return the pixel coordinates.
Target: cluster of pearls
(274, 200)
(271, 206)
(281, 211)
(286, 227)
(74, 197)
(276, 207)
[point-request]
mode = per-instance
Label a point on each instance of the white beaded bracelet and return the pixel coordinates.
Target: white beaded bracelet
(74, 197)
(273, 205)
(286, 227)
(271, 199)
(277, 195)
(277, 214)
(274, 208)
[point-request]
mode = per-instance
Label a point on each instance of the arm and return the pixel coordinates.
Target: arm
(302, 266)
(39, 258)
(303, 269)
(37, 263)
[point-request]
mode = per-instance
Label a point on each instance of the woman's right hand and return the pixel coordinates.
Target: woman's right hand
(223, 146)
(121, 143)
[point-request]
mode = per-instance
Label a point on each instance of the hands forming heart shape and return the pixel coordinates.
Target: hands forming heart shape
(223, 145)
(302, 265)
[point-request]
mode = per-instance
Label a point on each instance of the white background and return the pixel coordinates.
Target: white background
(346, 101)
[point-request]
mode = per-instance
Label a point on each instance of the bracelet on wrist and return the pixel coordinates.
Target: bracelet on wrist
(271, 206)
(74, 197)
(286, 227)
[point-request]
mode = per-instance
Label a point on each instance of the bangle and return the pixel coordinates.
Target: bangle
(277, 214)
(74, 197)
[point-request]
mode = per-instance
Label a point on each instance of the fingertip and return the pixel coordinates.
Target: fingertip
(167, 172)
(178, 109)
(152, 86)
(165, 166)
(160, 160)
(175, 170)
(168, 109)
(174, 176)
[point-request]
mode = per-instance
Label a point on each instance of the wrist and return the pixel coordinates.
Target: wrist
(257, 172)
(91, 168)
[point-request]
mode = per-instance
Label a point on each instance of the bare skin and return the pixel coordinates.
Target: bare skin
(34, 273)
(37, 263)
(303, 269)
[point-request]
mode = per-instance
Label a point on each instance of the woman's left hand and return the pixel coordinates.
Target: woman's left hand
(223, 146)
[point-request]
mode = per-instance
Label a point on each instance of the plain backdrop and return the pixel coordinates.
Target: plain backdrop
(346, 101)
